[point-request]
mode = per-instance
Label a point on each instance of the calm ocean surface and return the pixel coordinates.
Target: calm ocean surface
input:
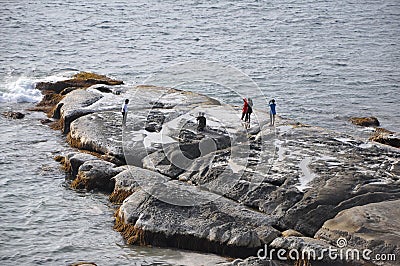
(323, 61)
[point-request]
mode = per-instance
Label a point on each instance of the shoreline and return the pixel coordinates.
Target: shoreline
(265, 186)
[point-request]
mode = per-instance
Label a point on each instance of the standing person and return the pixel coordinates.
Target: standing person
(272, 112)
(244, 109)
(124, 111)
(249, 111)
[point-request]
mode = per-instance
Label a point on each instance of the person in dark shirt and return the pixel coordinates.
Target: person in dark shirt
(272, 112)
(202, 122)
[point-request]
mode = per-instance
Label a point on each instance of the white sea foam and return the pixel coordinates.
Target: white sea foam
(22, 89)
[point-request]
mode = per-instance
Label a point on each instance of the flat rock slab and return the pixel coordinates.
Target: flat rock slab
(75, 105)
(128, 181)
(373, 226)
(221, 226)
(95, 121)
(329, 171)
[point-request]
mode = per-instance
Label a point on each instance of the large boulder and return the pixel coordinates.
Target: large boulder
(96, 175)
(194, 219)
(72, 161)
(75, 106)
(373, 226)
(97, 133)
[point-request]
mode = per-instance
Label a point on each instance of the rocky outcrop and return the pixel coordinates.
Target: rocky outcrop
(73, 108)
(54, 92)
(225, 190)
(365, 121)
(13, 115)
(79, 80)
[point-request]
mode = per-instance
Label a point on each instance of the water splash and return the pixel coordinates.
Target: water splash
(22, 89)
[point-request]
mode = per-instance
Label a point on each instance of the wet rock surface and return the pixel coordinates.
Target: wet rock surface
(13, 115)
(372, 226)
(225, 190)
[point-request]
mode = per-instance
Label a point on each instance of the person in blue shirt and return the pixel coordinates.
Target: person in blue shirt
(272, 112)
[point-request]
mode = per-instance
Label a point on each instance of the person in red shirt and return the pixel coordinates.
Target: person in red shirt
(248, 113)
(245, 108)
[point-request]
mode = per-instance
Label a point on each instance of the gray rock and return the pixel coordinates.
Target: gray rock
(221, 226)
(73, 161)
(13, 115)
(96, 174)
(98, 133)
(75, 105)
(373, 226)
(331, 172)
(95, 120)
(127, 182)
